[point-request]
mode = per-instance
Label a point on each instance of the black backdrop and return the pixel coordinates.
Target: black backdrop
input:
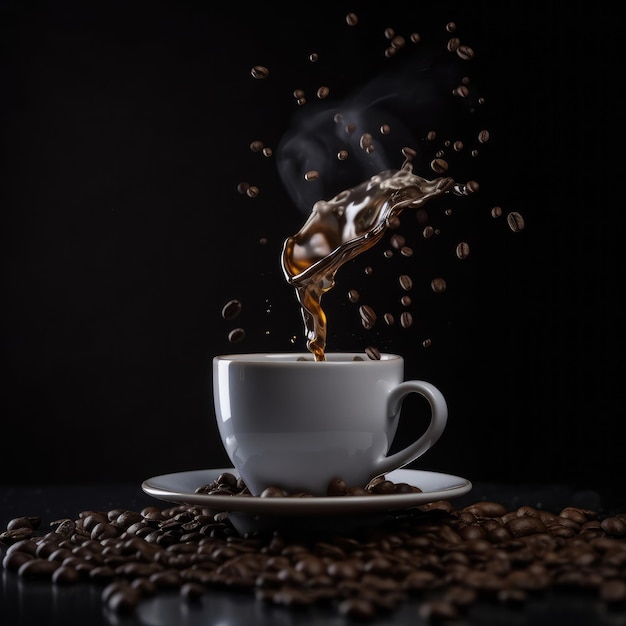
(125, 132)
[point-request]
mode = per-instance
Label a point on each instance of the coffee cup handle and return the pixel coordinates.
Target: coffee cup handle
(438, 419)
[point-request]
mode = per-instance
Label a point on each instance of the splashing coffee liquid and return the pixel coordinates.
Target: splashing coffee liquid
(339, 229)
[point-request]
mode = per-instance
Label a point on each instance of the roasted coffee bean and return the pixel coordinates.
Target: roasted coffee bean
(445, 557)
(231, 309)
(525, 525)
(368, 316)
(103, 530)
(16, 534)
(259, 72)
(65, 575)
(101, 573)
(24, 545)
(406, 282)
(14, 560)
(383, 486)
(127, 518)
(614, 526)
(613, 591)
(124, 600)
(20, 522)
(144, 586)
(359, 608)
(515, 221)
(60, 554)
(439, 166)
(192, 591)
(65, 527)
(38, 568)
(406, 319)
(438, 610)
(372, 353)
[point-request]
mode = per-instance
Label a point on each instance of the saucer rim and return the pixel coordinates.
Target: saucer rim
(314, 505)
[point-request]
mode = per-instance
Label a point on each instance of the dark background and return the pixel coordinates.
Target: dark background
(125, 131)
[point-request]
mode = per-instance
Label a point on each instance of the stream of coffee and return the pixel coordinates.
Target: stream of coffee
(339, 229)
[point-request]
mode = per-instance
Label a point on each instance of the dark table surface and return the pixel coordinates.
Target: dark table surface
(24, 602)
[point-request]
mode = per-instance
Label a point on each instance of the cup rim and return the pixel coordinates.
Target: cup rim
(334, 359)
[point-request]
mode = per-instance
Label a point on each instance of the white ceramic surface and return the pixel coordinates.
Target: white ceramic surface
(181, 488)
(290, 421)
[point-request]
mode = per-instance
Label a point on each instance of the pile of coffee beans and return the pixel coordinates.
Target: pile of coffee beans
(227, 484)
(447, 559)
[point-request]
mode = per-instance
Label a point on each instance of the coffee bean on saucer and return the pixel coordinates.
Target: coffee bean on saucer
(337, 487)
(228, 479)
(383, 486)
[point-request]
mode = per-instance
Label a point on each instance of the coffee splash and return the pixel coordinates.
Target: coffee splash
(343, 227)
(427, 109)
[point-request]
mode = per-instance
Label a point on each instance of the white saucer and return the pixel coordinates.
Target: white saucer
(180, 488)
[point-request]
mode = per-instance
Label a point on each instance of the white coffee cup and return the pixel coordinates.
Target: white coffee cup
(289, 421)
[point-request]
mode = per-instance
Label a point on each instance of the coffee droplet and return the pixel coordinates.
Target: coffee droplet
(409, 152)
(231, 309)
(259, 71)
(515, 221)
